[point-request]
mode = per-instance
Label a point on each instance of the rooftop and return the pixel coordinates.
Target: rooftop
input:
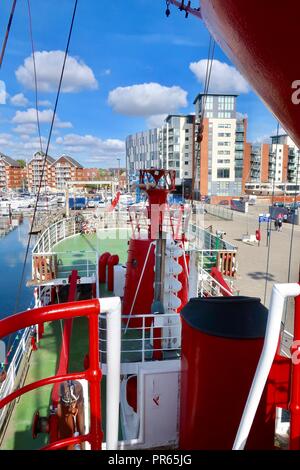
(9, 161)
(213, 94)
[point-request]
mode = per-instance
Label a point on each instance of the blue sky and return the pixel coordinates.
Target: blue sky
(129, 67)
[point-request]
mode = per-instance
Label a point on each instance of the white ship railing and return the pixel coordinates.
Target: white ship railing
(84, 262)
(137, 341)
(209, 286)
(14, 373)
(83, 223)
(199, 238)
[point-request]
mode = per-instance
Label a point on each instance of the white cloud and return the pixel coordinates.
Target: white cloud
(262, 139)
(241, 115)
(106, 72)
(21, 147)
(92, 149)
(26, 129)
(29, 116)
(19, 100)
(147, 99)
(27, 119)
(5, 139)
(156, 120)
(2, 92)
(63, 124)
(224, 78)
(45, 103)
(77, 75)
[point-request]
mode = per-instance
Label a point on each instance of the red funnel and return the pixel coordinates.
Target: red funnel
(262, 38)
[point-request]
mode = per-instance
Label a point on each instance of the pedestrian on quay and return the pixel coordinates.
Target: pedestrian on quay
(279, 222)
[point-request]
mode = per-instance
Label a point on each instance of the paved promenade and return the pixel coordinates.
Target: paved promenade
(252, 260)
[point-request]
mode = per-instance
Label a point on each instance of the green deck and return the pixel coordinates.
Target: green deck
(44, 361)
(109, 240)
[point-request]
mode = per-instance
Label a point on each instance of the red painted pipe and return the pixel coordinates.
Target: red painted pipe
(86, 308)
(294, 404)
(102, 264)
(41, 383)
(48, 313)
(113, 260)
(94, 377)
(63, 364)
(63, 443)
(157, 354)
(218, 276)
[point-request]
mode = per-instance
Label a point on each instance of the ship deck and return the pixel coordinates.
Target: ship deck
(44, 361)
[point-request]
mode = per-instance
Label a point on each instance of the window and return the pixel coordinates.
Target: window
(224, 134)
(186, 173)
(223, 172)
(187, 130)
(208, 102)
(209, 114)
(187, 139)
(186, 163)
(223, 144)
(186, 147)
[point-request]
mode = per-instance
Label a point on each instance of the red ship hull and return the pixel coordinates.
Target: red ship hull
(261, 38)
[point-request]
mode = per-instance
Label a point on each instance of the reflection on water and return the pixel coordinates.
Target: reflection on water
(12, 253)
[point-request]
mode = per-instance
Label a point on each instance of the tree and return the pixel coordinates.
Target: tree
(22, 163)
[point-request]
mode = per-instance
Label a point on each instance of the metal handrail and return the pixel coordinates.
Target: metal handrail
(147, 345)
(86, 308)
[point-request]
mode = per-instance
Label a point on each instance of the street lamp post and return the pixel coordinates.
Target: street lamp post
(119, 159)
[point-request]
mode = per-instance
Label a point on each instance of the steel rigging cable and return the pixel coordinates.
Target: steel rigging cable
(269, 231)
(209, 64)
(7, 32)
(35, 76)
(46, 153)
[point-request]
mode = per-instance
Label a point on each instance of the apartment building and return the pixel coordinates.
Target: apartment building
(274, 165)
(284, 160)
(177, 147)
(65, 169)
(170, 147)
(258, 167)
(10, 173)
(220, 146)
(142, 151)
(91, 174)
(35, 171)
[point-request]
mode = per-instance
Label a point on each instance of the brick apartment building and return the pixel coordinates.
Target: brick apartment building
(11, 174)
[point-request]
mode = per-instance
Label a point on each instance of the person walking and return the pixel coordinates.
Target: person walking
(279, 222)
